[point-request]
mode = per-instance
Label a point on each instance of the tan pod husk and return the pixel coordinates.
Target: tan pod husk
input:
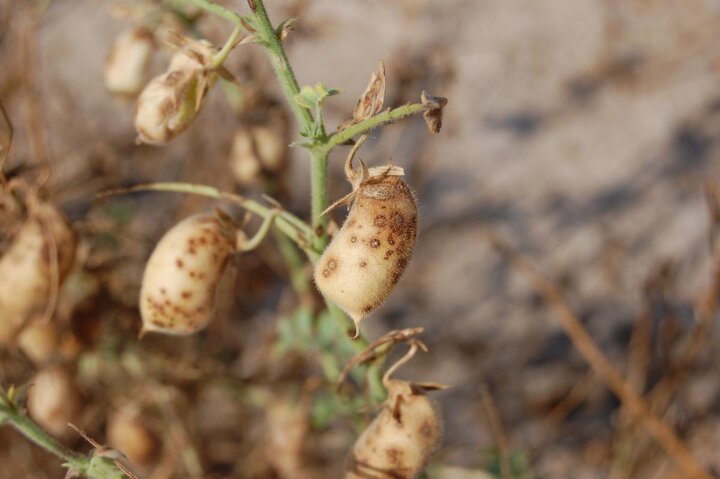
(33, 267)
(399, 442)
(170, 102)
(128, 432)
(180, 279)
(53, 400)
(127, 64)
(366, 258)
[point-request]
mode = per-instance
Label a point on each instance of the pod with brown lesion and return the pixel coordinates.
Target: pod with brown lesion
(177, 295)
(403, 436)
(367, 257)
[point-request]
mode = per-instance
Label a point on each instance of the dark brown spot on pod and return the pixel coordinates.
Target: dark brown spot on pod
(397, 220)
(353, 239)
(394, 455)
(388, 253)
(326, 272)
(332, 264)
(374, 243)
(179, 263)
(363, 264)
(367, 309)
(426, 429)
(380, 221)
(391, 240)
(186, 294)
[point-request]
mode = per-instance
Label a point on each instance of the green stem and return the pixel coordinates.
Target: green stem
(25, 426)
(220, 57)
(346, 134)
(269, 37)
(296, 265)
(319, 198)
(213, 8)
(289, 224)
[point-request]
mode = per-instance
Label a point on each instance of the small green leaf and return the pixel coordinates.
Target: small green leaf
(313, 96)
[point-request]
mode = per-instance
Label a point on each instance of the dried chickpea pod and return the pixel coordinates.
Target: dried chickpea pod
(177, 295)
(367, 257)
(287, 428)
(170, 102)
(32, 268)
(53, 400)
(256, 149)
(402, 437)
(39, 341)
(127, 63)
(127, 432)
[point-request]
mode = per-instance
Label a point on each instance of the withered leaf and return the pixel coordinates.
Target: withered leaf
(372, 99)
(433, 110)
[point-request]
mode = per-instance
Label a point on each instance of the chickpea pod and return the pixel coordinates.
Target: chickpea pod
(403, 436)
(53, 400)
(169, 102)
(178, 291)
(367, 257)
(33, 267)
(177, 295)
(127, 63)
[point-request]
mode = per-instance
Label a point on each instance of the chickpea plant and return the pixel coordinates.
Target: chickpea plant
(355, 270)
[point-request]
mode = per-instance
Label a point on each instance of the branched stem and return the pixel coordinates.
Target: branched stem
(93, 468)
(373, 122)
(292, 226)
(269, 38)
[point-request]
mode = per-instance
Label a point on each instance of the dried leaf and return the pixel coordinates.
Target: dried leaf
(433, 110)
(372, 99)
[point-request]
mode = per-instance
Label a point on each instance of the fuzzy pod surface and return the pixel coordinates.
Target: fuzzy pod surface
(400, 440)
(41, 253)
(177, 295)
(366, 258)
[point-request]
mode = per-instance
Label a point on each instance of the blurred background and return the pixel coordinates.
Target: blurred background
(585, 133)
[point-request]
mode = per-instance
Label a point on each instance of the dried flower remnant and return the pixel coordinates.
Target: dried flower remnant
(170, 102)
(178, 287)
(126, 67)
(367, 257)
(434, 110)
(372, 99)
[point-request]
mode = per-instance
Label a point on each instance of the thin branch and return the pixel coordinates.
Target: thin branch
(287, 223)
(389, 116)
